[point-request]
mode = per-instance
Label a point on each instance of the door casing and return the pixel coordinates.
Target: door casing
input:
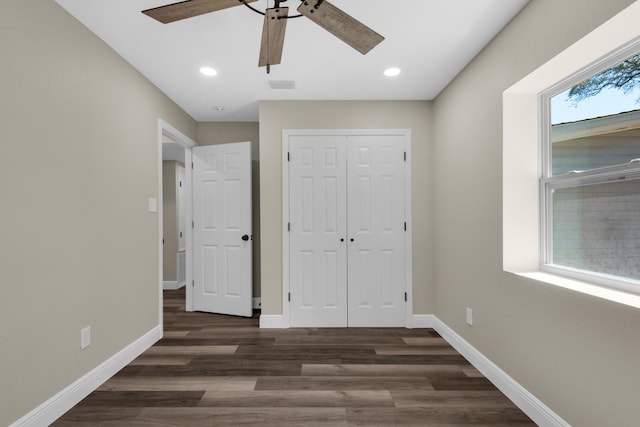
(165, 129)
(286, 134)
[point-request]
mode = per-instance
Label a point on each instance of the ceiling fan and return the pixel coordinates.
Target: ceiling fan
(340, 24)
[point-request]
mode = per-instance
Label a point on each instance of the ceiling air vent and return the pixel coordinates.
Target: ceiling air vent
(282, 84)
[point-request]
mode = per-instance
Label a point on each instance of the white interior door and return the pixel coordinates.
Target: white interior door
(317, 185)
(347, 230)
(376, 223)
(222, 255)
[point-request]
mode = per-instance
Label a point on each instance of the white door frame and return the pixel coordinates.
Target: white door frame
(286, 133)
(165, 129)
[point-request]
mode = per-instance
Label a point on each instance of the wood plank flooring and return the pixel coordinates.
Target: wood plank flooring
(212, 370)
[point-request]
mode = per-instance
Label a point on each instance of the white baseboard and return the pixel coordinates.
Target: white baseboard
(273, 321)
(170, 285)
(540, 413)
(423, 320)
(257, 303)
(58, 405)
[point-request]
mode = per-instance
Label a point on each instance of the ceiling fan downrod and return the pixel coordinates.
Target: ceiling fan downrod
(276, 6)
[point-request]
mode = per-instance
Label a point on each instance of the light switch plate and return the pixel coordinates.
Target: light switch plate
(85, 337)
(153, 204)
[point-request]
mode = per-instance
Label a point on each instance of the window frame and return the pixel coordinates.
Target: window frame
(575, 179)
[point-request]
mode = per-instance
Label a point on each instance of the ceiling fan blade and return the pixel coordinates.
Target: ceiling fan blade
(273, 36)
(343, 26)
(187, 9)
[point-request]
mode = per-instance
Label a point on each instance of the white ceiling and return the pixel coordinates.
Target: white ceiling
(430, 40)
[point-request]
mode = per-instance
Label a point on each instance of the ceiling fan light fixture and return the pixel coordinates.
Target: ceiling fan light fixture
(208, 71)
(326, 15)
(392, 72)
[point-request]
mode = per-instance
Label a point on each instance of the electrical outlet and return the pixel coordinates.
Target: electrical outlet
(469, 317)
(85, 337)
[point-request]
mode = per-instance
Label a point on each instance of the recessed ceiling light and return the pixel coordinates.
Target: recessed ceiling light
(219, 109)
(208, 71)
(392, 72)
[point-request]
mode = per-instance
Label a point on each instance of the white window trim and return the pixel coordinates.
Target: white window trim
(524, 125)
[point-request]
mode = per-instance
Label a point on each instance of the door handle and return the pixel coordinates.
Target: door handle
(245, 237)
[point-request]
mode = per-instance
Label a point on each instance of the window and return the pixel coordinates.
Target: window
(526, 106)
(590, 186)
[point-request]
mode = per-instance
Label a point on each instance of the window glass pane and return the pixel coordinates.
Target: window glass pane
(596, 151)
(597, 228)
(597, 122)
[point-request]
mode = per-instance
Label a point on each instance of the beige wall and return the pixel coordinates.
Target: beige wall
(278, 115)
(576, 353)
(170, 220)
(210, 133)
(79, 162)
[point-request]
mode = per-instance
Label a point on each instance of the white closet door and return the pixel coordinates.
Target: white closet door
(318, 261)
(376, 223)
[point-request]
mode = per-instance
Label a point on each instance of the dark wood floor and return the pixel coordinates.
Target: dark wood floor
(213, 370)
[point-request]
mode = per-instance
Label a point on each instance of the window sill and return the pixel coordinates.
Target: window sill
(613, 295)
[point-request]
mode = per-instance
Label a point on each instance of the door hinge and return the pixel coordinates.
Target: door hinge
(193, 283)
(406, 297)
(405, 226)
(289, 297)
(192, 165)
(180, 183)
(288, 156)
(193, 224)
(288, 226)
(405, 156)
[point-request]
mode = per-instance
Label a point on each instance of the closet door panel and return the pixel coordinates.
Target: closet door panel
(375, 211)
(318, 259)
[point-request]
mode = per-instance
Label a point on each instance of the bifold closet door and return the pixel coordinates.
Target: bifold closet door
(376, 227)
(347, 231)
(318, 234)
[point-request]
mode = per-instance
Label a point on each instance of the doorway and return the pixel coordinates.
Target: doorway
(178, 148)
